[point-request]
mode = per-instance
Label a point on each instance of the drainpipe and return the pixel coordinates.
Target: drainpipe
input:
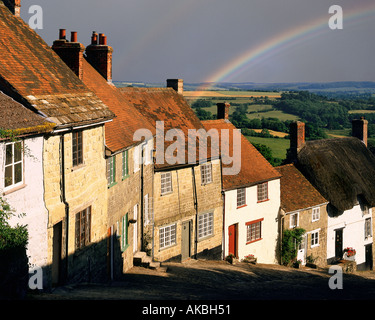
(196, 213)
(63, 196)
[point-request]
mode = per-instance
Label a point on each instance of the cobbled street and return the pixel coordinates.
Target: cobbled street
(219, 280)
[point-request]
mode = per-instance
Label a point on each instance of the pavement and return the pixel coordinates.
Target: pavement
(220, 280)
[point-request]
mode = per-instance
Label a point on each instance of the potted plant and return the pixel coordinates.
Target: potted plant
(349, 254)
(250, 258)
(298, 264)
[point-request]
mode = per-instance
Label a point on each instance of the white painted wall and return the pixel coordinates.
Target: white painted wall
(29, 199)
(265, 249)
(353, 223)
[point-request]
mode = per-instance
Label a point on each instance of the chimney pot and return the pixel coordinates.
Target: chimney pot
(176, 84)
(360, 129)
(223, 110)
(94, 38)
(62, 35)
(14, 6)
(74, 36)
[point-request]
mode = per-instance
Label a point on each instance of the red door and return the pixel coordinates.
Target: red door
(232, 230)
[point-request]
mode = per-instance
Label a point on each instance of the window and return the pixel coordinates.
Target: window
(83, 228)
(166, 183)
(148, 209)
(124, 234)
(263, 191)
(241, 197)
(167, 236)
(77, 148)
(315, 214)
(314, 239)
(368, 232)
(13, 164)
(253, 231)
(125, 167)
(205, 225)
(294, 220)
(206, 173)
(111, 171)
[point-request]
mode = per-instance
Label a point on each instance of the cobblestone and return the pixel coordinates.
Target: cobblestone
(219, 280)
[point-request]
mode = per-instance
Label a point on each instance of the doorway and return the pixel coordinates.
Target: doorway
(233, 247)
(368, 257)
(301, 253)
(56, 254)
(338, 243)
(135, 230)
(185, 240)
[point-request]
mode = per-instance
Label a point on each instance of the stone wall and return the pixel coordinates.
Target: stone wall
(85, 186)
(188, 199)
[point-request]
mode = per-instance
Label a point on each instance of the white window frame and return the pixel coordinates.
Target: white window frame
(206, 173)
(166, 183)
(368, 228)
(241, 197)
(291, 219)
(262, 192)
(315, 214)
(13, 164)
(205, 225)
(315, 238)
(111, 170)
(167, 236)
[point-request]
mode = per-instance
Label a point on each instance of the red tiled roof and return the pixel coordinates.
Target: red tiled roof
(119, 132)
(165, 104)
(31, 72)
(296, 191)
(254, 167)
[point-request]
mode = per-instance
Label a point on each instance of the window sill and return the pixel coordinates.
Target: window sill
(125, 177)
(260, 201)
(77, 167)
(243, 206)
(256, 240)
(166, 193)
(14, 189)
(205, 237)
(111, 185)
(206, 183)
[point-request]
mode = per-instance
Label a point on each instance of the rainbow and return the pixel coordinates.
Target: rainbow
(280, 42)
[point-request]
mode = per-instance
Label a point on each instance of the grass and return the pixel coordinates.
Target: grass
(278, 146)
(273, 114)
(361, 111)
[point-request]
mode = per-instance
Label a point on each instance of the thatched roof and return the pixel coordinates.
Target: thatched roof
(340, 169)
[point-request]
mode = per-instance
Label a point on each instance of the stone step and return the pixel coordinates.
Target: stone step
(138, 258)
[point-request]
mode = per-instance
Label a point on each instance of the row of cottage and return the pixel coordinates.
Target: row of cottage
(81, 158)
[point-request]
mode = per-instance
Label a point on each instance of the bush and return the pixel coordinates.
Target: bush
(290, 242)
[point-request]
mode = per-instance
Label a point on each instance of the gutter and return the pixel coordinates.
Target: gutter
(196, 213)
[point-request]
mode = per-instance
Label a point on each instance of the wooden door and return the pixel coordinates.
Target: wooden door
(185, 240)
(368, 257)
(338, 243)
(56, 254)
(135, 230)
(232, 231)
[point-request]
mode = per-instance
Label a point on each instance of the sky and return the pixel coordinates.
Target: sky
(262, 41)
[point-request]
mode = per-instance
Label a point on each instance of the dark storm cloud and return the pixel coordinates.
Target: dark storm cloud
(191, 39)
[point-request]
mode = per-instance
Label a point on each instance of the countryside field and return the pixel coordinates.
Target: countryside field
(235, 98)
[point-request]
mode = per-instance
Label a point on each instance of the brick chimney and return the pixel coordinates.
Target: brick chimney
(70, 52)
(176, 84)
(359, 129)
(223, 110)
(99, 55)
(14, 6)
(297, 138)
